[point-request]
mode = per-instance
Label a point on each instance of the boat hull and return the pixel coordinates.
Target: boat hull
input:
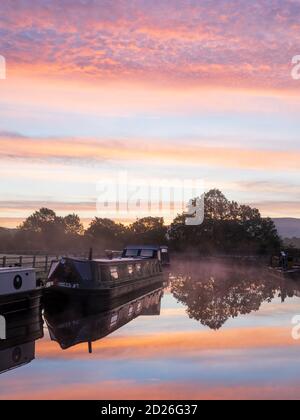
(60, 297)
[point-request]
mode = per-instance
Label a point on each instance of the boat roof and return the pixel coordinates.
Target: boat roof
(16, 269)
(118, 260)
(155, 247)
(108, 261)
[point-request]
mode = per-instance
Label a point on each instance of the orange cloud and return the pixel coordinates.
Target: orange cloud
(34, 89)
(148, 151)
(279, 208)
(130, 390)
(174, 344)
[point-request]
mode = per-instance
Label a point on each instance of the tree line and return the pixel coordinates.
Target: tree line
(228, 228)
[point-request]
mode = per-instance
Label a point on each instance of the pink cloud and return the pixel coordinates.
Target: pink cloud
(162, 153)
(232, 43)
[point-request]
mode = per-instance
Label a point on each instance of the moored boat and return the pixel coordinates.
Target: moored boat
(19, 289)
(102, 278)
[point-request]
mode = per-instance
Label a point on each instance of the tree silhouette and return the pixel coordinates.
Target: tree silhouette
(72, 225)
(45, 231)
(105, 233)
(227, 228)
(148, 231)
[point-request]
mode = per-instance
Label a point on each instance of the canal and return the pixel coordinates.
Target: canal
(211, 330)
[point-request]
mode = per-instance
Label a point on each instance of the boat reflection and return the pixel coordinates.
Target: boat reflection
(218, 292)
(81, 324)
(23, 328)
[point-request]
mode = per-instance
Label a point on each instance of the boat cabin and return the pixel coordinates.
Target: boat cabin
(17, 280)
(102, 273)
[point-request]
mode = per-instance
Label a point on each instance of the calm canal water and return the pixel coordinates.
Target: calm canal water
(212, 331)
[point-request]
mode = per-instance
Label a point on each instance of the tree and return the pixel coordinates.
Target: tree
(7, 239)
(39, 221)
(43, 231)
(105, 233)
(148, 231)
(227, 228)
(47, 232)
(72, 225)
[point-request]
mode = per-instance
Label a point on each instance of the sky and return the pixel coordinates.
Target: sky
(172, 90)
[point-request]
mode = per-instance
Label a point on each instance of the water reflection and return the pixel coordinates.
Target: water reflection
(163, 357)
(23, 328)
(210, 293)
(83, 324)
(214, 293)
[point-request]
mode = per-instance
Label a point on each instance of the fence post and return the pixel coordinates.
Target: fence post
(21, 261)
(4, 262)
(34, 261)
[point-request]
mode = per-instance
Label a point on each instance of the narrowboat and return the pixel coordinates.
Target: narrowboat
(148, 252)
(101, 278)
(75, 326)
(19, 289)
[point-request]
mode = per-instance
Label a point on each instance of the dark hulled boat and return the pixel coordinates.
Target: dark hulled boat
(103, 278)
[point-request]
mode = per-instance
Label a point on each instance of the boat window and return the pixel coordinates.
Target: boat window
(149, 268)
(147, 253)
(99, 273)
(138, 268)
(83, 269)
(105, 274)
(165, 255)
(114, 320)
(53, 267)
(130, 310)
(130, 253)
(153, 268)
(114, 273)
(130, 270)
(144, 269)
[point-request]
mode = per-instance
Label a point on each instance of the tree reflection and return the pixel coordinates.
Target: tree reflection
(213, 293)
